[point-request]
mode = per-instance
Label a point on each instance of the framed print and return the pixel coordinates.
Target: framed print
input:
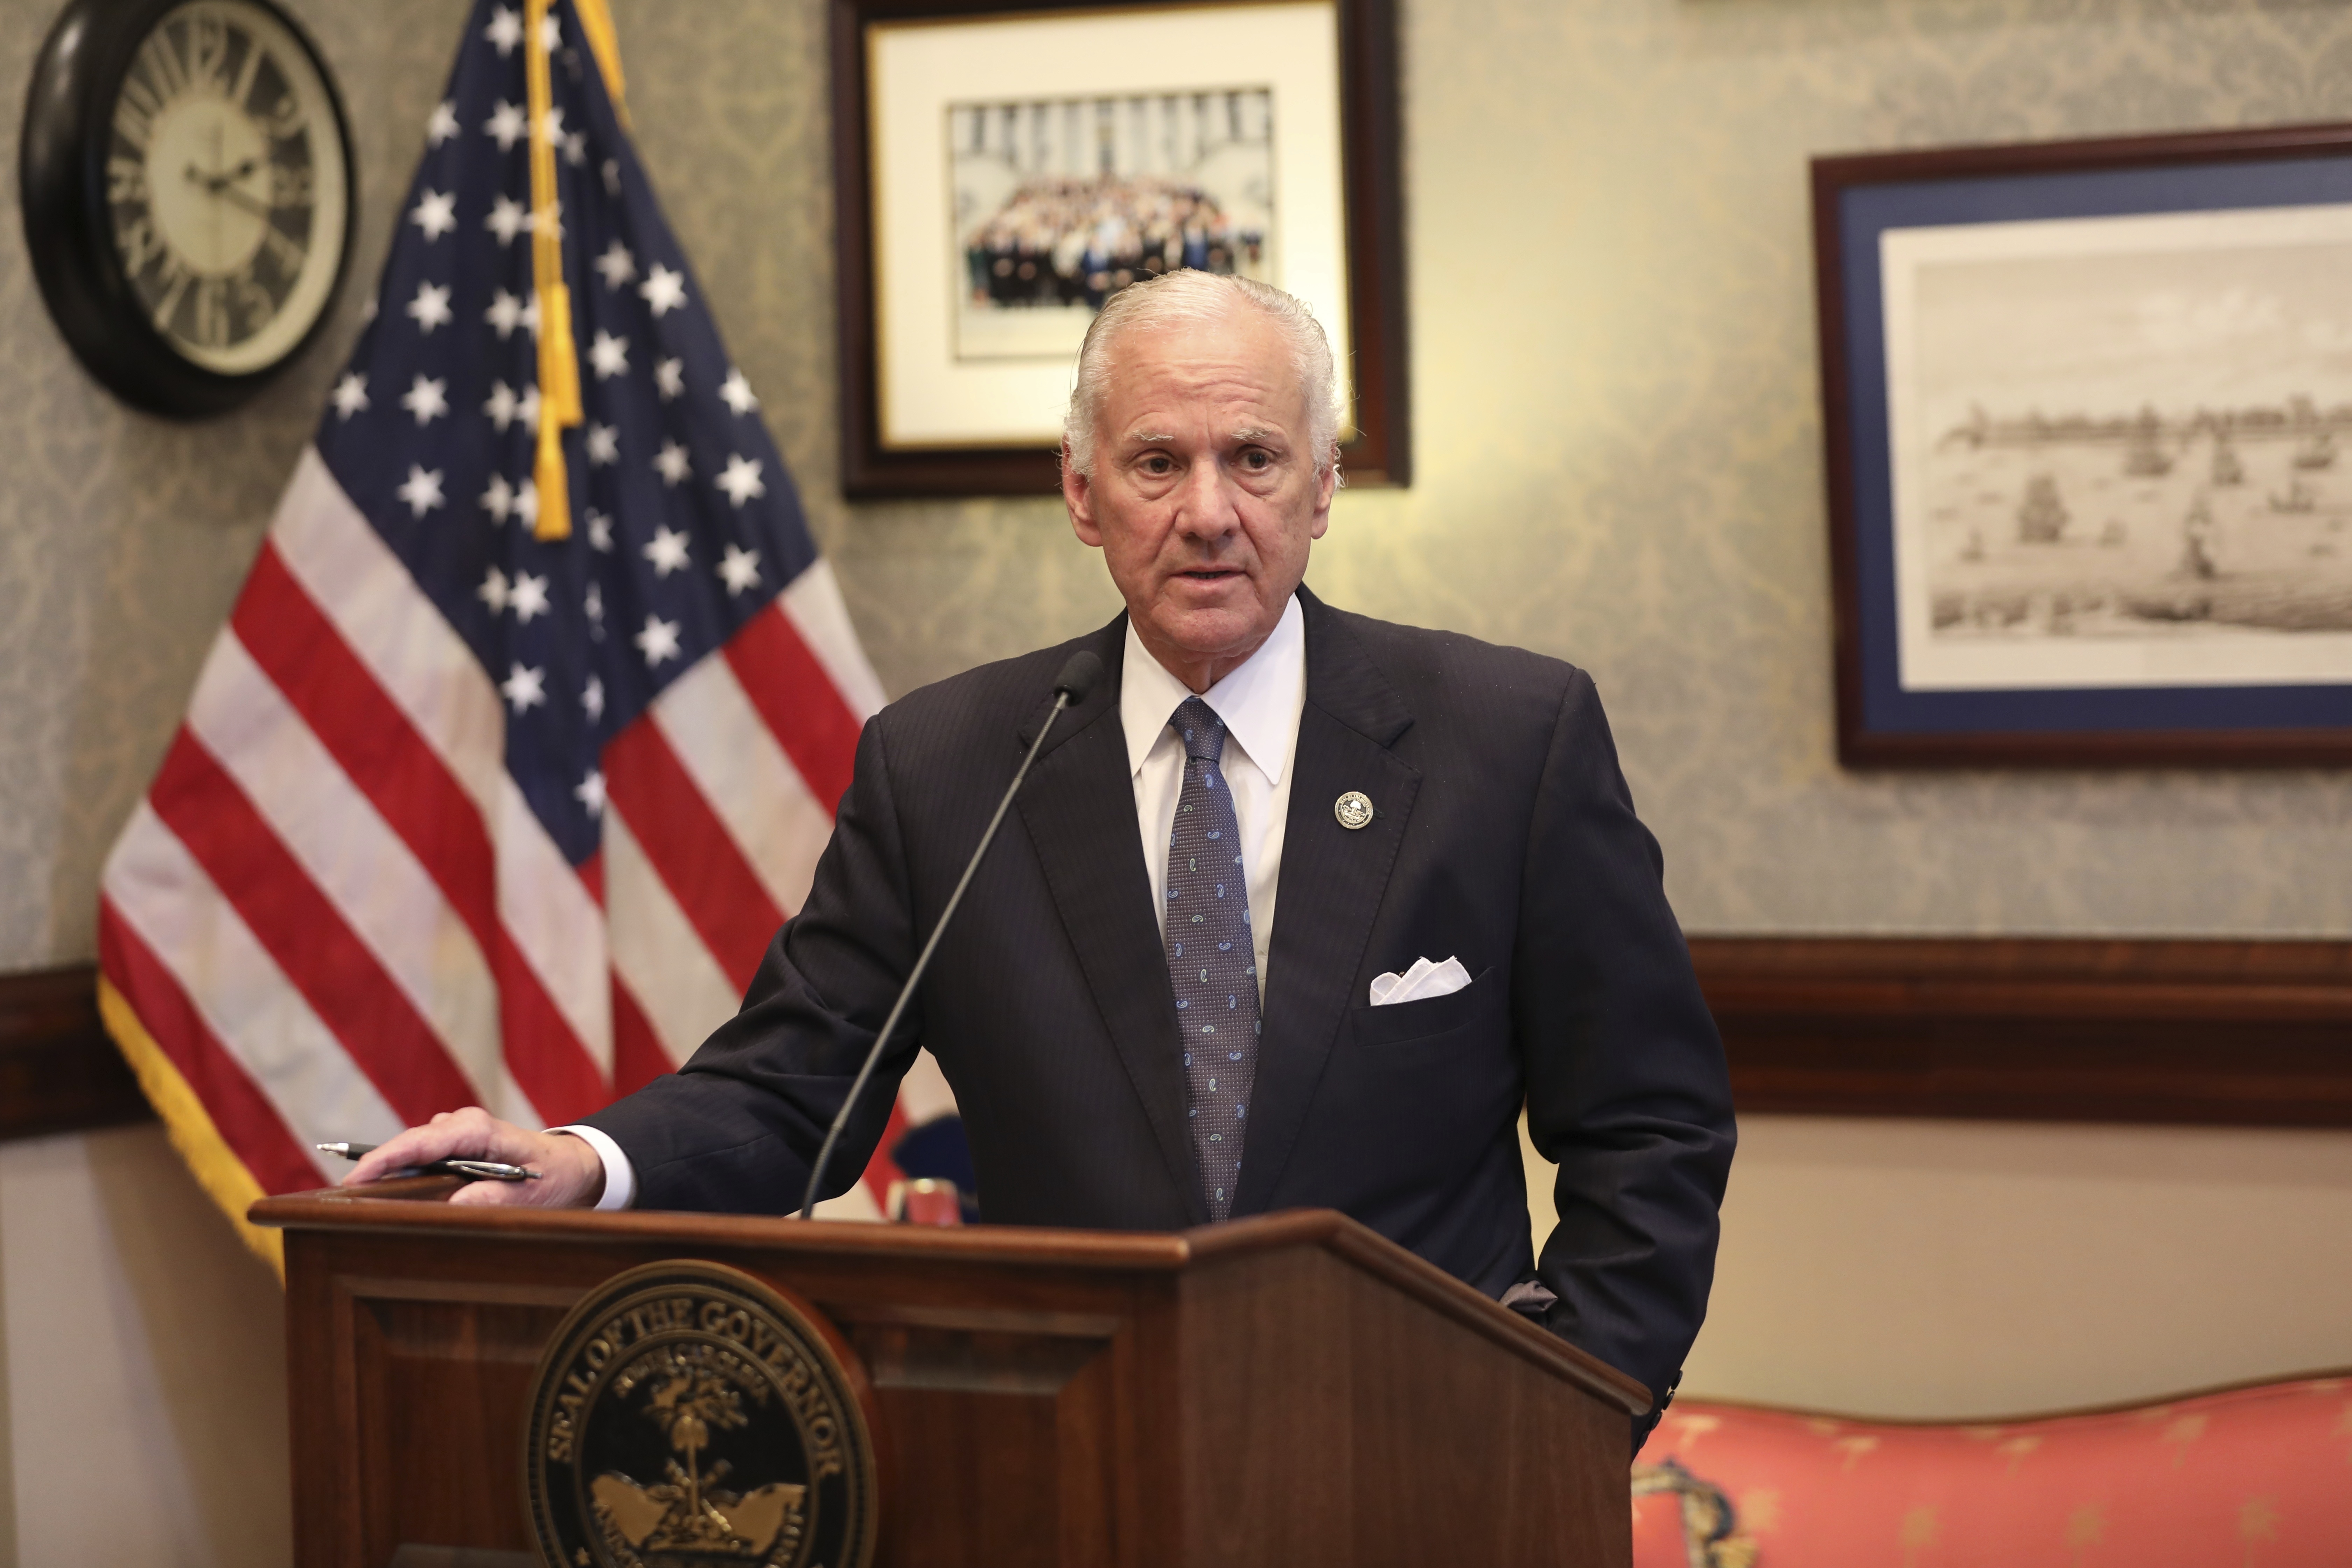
(998, 172)
(2088, 416)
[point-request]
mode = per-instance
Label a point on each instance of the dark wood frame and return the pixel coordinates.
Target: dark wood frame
(1861, 747)
(59, 1072)
(1381, 453)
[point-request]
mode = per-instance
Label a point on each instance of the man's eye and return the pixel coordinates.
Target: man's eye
(1257, 459)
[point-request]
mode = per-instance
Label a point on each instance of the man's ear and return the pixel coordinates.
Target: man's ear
(1077, 494)
(1327, 485)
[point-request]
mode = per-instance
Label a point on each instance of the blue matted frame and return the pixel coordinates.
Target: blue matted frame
(1855, 199)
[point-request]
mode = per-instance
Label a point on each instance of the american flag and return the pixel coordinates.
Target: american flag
(460, 812)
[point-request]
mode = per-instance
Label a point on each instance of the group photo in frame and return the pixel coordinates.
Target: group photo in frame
(2087, 414)
(999, 173)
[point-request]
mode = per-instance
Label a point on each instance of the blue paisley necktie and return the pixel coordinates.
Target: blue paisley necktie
(1211, 960)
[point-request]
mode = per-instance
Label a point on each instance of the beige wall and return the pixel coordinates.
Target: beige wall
(1618, 442)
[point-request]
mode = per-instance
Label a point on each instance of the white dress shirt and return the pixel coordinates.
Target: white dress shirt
(1260, 703)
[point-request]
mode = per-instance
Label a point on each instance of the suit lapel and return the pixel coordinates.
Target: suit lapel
(1078, 808)
(1332, 881)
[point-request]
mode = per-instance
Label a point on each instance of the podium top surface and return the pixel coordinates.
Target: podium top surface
(411, 1207)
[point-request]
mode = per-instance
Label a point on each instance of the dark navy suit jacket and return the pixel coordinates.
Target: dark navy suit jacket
(1503, 835)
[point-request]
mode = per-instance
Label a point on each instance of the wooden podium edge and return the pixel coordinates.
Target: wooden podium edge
(1376, 1255)
(415, 1204)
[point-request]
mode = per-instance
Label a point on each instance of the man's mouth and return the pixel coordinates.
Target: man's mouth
(1210, 573)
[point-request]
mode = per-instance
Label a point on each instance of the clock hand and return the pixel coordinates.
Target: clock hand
(250, 204)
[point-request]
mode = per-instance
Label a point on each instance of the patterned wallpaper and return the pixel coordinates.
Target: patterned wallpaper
(1615, 400)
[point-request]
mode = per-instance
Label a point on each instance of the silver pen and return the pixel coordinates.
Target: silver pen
(481, 1170)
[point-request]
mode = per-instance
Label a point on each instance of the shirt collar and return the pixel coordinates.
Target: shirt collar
(1260, 701)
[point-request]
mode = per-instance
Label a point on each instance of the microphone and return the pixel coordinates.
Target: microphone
(1070, 688)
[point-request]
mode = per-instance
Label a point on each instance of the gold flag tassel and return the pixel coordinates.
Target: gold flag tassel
(559, 356)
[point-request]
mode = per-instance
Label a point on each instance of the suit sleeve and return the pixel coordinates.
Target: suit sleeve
(1627, 1089)
(739, 1126)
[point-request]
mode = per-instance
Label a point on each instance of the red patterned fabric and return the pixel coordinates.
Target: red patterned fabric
(2253, 1477)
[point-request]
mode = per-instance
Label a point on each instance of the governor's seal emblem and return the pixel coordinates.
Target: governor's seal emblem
(686, 1415)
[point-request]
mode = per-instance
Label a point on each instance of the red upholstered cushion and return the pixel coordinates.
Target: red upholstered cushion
(2254, 1478)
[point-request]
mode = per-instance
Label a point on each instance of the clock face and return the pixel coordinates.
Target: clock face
(226, 185)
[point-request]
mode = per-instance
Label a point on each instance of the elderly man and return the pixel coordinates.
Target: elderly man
(1299, 908)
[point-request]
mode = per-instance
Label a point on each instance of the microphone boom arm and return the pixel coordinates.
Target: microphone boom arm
(1078, 677)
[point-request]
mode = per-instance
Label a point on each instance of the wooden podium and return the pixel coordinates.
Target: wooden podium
(1291, 1389)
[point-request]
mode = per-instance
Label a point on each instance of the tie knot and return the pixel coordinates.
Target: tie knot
(1203, 734)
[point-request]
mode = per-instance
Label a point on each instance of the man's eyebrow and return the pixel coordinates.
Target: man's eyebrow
(1254, 432)
(1150, 437)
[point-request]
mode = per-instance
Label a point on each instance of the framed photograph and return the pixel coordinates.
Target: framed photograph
(1000, 171)
(2088, 414)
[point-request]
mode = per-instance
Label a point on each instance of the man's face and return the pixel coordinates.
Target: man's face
(1204, 498)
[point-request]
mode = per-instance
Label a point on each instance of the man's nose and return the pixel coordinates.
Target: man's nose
(1205, 504)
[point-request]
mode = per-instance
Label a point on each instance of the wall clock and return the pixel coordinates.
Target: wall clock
(188, 187)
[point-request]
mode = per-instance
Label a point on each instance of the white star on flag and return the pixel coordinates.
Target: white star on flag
(616, 265)
(501, 406)
(550, 33)
(444, 123)
(604, 445)
(526, 688)
(436, 213)
(592, 602)
(493, 591)
(670, 378)
(592, 699)
(590, 792)
(600, 537)
(423, 490)
(673, 463)
(736, 392)
(506, 123)
(612, 176)
(667, 551)
(740, 568)
(505, 30)
(663, 290)
(430, 309)
(526, 503)
(498, 499)
(506, 313)
(551, 129)
(528, 598)
(350, 396)
(428, 399)
(575, 149)
(507, 219)
(609, 355)
(658, 641)
(741, 480)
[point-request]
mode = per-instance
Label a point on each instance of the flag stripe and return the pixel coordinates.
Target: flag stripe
(637, 1055)
(407, 781)
(246, 1119)
(305, 935)
(690, 849)
(813, 601)
(161, 893)
(393, 905)
(728, 750)
(787, 685)
(407, 647)
(657, 954)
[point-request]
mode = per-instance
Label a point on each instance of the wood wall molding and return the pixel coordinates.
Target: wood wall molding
(2246, 1033)
(59, 1072)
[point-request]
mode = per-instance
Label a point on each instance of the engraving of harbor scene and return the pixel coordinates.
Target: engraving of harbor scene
(2122, 450)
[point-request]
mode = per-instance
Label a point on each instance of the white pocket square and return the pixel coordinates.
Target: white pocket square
(1426, 979)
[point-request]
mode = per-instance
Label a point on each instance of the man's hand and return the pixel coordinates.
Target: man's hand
(571, 1175)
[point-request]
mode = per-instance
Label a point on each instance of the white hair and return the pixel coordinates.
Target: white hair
(1186, 296)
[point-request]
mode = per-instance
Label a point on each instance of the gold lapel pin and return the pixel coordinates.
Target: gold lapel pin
(1354, 809)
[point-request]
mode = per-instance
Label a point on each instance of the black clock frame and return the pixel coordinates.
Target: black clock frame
(61, 176)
